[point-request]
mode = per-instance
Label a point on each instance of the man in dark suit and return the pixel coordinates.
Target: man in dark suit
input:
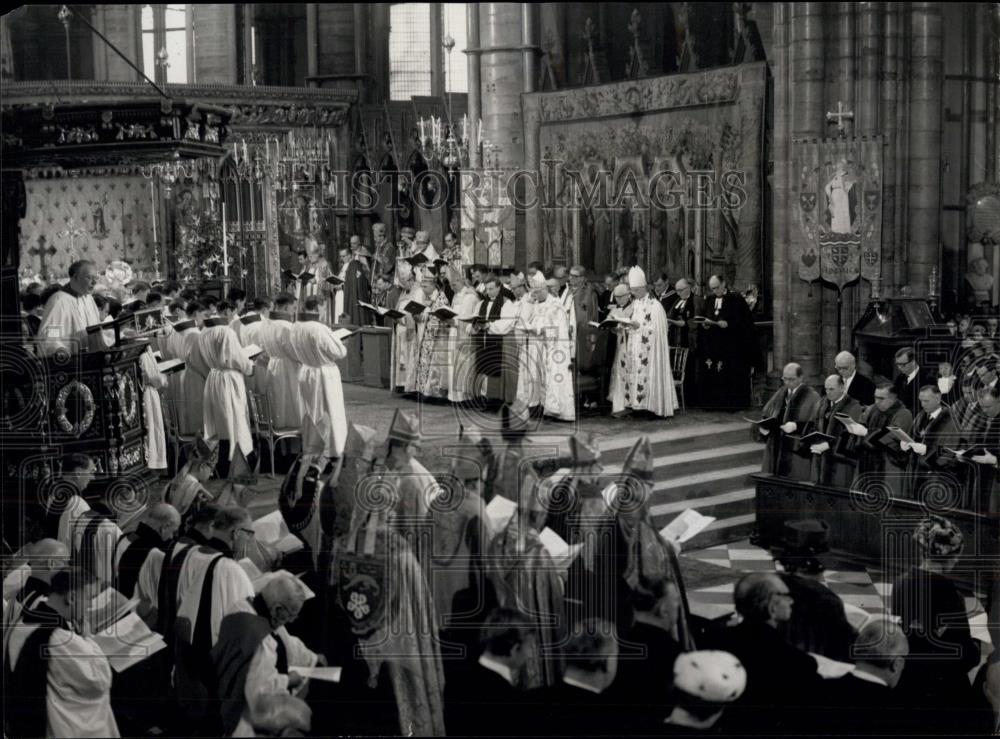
(778, 674)
(488, 701)
(862, 701)
(910, 379)
(859, 387)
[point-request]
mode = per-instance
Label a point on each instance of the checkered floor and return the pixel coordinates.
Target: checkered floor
(857, 586)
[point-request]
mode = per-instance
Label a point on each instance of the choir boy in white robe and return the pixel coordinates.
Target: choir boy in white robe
(191, 418)
(549, 354)
(465, 303)
(515, 314)
(69, 311)
(648, 381)
(227, 421)
(282, 367)
(49, 656)
(255, 655)
(153, 382)
(251, 328)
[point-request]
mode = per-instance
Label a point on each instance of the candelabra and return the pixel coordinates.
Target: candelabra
(168, 173)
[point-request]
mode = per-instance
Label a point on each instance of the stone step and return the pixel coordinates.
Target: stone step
(677, 441)
(723, 505)
(670, 466)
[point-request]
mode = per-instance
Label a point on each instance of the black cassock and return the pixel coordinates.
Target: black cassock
(489, 350)
(728, 353)
(357, 287)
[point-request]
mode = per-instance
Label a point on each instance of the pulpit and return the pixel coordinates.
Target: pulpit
(889, 325)
(376, 344)
(351, 369)
(89, 403)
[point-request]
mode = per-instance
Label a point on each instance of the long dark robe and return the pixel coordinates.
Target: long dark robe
(780, 457)
(818, 623)
(240, 634)
(982, 478)
(143, 540)
(836, 466)
(490, 351)
(729, 353)
(357, 287)
(925, 473)
(879, 464)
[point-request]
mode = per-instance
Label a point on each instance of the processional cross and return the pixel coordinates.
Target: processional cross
(839, 118)
(72, 231)
(41, 251)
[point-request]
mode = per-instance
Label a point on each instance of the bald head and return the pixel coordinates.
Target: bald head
(164, 519)
(834, 386)
(47, 557)
(845, 364)
(881, 649)
(791, 375)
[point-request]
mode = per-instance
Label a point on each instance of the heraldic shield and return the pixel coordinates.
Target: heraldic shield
(839, 209)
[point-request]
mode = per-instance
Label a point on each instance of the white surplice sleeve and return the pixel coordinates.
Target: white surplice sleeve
(232, 592)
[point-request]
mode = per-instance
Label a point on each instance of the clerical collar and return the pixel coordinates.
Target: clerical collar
(303, 317)
(221, 546)
(260, 606)
(184, 325)
(250, 318)
(498, 667)
(934, 414)
(215, 321)
(910, 377)
(67, 288)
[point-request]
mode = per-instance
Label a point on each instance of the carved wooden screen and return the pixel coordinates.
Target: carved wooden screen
(677, 133)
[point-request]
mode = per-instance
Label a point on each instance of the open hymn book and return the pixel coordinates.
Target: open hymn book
(271, 529)
(388, 312)
(686, 526)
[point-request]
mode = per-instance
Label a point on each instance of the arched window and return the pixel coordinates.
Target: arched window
(168, 29)
(418, 65)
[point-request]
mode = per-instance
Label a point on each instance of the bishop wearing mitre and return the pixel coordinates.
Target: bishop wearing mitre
(643, 354)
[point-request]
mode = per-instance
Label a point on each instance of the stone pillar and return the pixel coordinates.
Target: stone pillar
(502, 82)
(475, 96)
(888, 123)
(529, 44)
(781, 272)
(120, 23)
(923, 211)
(991, 63)
(215, 40)
(806, 110)
(312, 40)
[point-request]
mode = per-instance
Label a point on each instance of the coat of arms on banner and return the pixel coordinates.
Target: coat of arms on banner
(839, 208)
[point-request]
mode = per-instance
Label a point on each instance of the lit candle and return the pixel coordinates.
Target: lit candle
(152, 208)
(225, 250)
(465, 127)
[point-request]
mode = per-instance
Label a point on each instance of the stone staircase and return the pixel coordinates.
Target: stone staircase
(704, 467)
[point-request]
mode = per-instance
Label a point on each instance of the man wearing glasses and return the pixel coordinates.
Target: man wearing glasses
(910, 378)
(793, 406)
(880, 460)
(857, 385)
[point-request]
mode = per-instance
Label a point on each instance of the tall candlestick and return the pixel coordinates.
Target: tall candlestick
(225, 250)
(253, 217)
(152, 208)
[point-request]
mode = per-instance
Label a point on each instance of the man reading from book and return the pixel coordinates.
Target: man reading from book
(787, 416)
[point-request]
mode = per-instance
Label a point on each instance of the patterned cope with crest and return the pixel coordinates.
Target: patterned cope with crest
(839, 209)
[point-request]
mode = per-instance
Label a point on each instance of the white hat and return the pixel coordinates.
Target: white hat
(536, 281)
(711, 676)
(636, 277)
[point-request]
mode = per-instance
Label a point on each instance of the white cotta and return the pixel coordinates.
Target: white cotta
(645, 380)
(529, 362)
(549, 329)
(189, 403)
(79, 688)
(64, 322)
(465, 303)
(173, 348)
(252, 333)
(324, 422)
(156, 439)
(226, 416)
(232, 590)
(282, 386)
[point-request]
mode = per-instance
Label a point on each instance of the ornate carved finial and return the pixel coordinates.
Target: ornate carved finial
(636, 67)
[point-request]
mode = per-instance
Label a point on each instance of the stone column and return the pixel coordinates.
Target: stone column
(215, 41)
(888, 122)
(502, 82)
(923, 211)
(781, 272)
(120, 23)
(475, 97)
(807, 114)
(529, 46)
(312, 41)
